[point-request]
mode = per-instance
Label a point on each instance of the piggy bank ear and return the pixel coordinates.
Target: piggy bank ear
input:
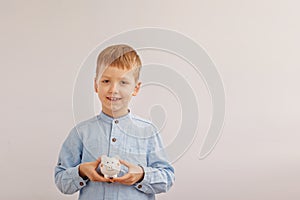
(103, 158)
(117, 157)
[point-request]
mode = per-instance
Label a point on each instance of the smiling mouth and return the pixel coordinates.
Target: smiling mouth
(113, 98)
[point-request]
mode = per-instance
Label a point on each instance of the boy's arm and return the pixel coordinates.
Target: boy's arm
(159, 174)
(67, 177)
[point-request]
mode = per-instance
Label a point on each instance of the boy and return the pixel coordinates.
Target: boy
(115, 132)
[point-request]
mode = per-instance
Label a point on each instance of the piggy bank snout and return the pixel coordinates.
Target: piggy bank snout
(109, 167)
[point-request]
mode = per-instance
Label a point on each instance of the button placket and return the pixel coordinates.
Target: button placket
(113, 135)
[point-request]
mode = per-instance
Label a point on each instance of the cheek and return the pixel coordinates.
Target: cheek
(128, 92)
(102, 90)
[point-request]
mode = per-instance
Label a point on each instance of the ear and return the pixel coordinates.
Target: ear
(117, 157)
(136, 89)
(95, 85)
(103, 158)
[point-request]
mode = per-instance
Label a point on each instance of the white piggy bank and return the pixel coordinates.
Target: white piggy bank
(110, 167)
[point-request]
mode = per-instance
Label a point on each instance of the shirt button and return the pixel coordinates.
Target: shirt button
(81, 183)
(140, 186)
(114, 139)
(116, 121)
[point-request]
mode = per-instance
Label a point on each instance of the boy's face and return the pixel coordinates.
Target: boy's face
(115, 89)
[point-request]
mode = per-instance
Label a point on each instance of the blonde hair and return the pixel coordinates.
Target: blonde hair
(121, 56)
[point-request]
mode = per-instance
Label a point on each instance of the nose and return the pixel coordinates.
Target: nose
(113, 88)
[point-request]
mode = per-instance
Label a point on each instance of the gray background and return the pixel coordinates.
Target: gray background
(254, 45)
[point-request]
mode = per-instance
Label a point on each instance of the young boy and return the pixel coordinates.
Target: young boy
(115, 132)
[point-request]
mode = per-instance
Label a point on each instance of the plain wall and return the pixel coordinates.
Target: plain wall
(254, 44)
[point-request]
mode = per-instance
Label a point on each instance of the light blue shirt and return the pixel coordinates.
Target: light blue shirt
(132, 139)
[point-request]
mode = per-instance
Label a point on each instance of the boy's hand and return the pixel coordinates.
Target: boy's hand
(135, 174)
(88, 170)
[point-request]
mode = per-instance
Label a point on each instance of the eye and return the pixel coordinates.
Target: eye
(123, 82)
(105, 81)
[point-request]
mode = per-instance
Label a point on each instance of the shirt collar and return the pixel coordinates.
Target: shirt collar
(109, 119)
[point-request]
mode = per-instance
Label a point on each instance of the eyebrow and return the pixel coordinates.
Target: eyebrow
(122, 78)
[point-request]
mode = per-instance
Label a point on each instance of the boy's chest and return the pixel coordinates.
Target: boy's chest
(114, 142)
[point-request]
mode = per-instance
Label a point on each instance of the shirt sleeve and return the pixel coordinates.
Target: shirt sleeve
(159, 175)
(67, 177)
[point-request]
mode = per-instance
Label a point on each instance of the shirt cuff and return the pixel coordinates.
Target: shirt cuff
(78, 180)
(144, 185)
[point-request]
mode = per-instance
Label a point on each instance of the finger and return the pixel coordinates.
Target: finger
(126, 181)
(122, 178)
(98, 160)
(127, 164)
(111, 180)
(96, 177)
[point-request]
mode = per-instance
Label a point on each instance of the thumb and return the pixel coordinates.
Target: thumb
(98, 161)
(127, 164)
